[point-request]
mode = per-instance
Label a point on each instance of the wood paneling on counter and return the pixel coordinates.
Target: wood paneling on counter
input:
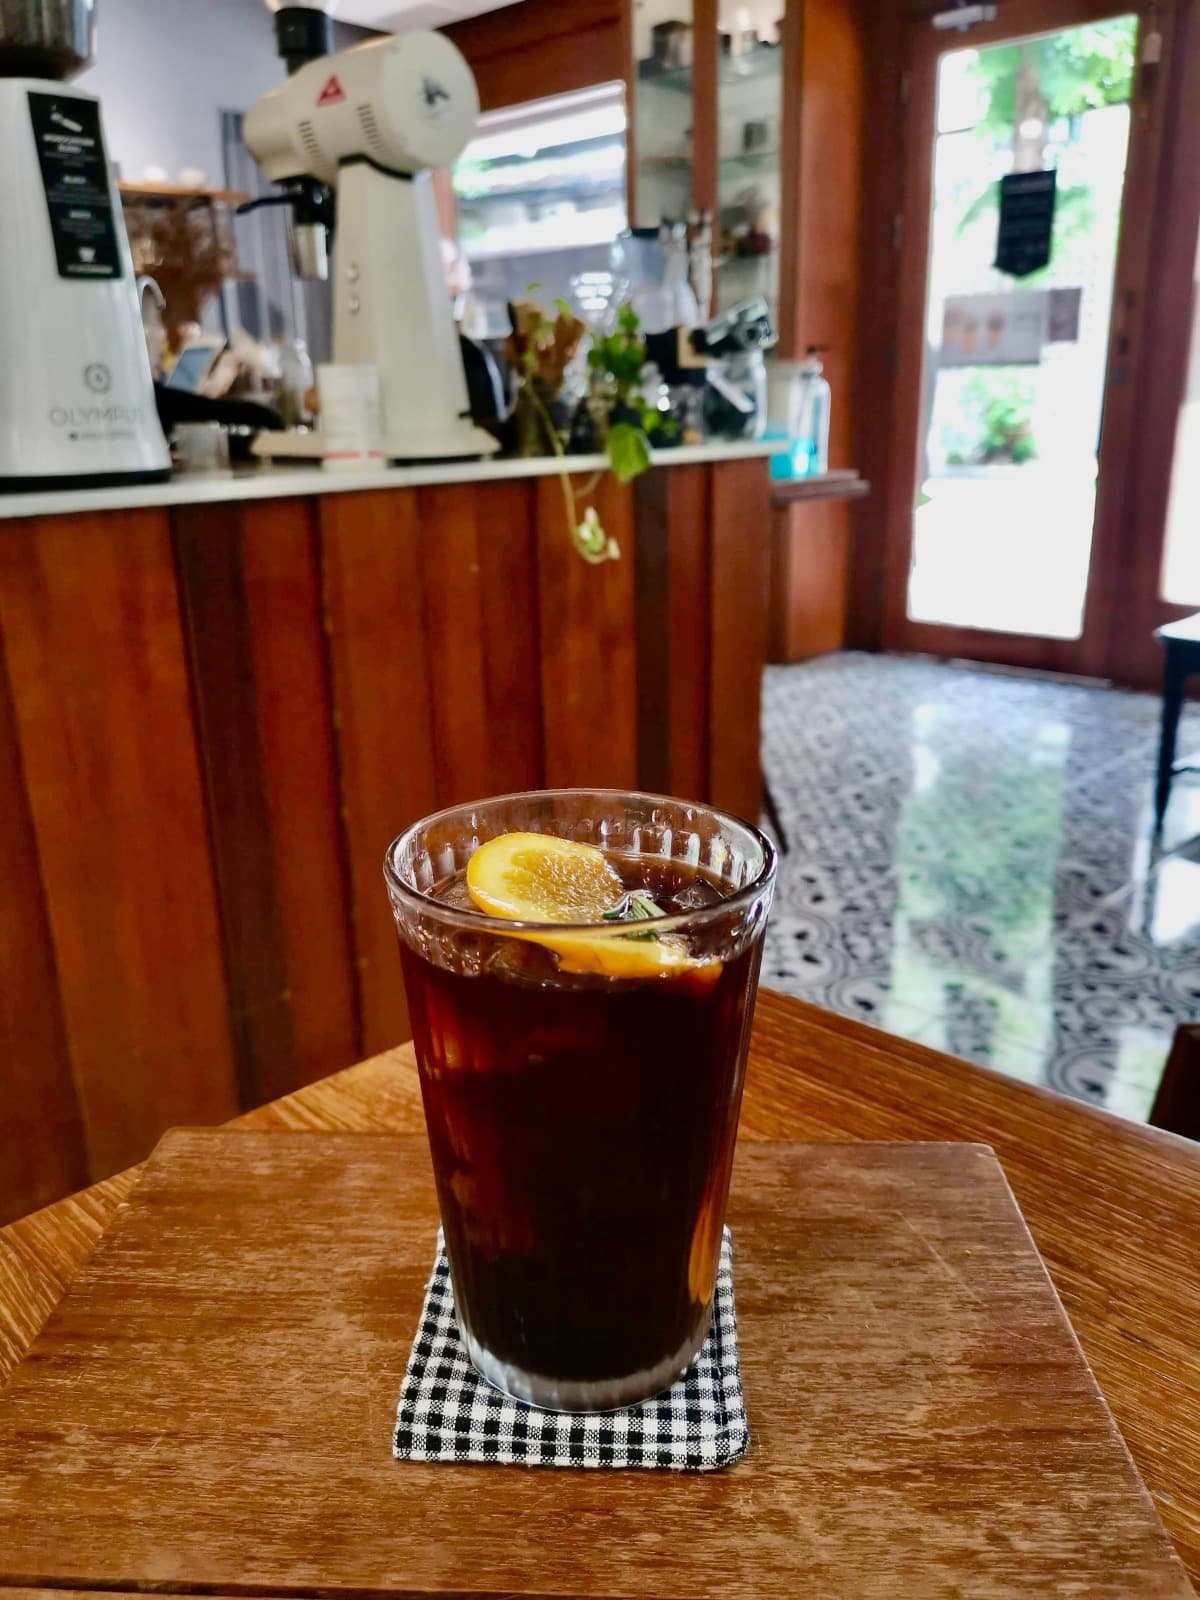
(281, 574)
(810, 549)
(208, 551)
(479, 563)
(588, 653)
(221, 715)
(98, 671)
(673, 630)
(42, 1152)
(383, 713)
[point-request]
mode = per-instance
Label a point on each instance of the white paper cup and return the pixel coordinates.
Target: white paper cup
(351, 425)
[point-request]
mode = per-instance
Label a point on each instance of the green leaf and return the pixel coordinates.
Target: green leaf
(628, 451)
(532, 288)
(636, 906)
(564, 310)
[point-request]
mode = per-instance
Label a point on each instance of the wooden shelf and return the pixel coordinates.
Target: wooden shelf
(177, 191)
(842, 484)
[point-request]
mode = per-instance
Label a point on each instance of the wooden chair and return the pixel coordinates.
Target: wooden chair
(1177, 1104)
(1182, 644)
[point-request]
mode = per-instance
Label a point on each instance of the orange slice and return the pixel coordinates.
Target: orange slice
(536, 877)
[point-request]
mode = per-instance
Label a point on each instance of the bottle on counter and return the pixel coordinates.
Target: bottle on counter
(798, 416)
(700, 261)
(684, 311)
(295, 381)
(808, 420)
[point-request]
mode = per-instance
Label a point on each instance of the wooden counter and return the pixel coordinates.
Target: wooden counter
(215, 714)
(810, 563)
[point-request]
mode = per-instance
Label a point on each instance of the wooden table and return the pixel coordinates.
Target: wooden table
(1114, 1207)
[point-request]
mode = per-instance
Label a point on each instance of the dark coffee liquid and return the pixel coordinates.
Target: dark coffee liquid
(582, 1131)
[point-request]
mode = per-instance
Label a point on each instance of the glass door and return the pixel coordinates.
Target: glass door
(1016, 364)
(1021, 137)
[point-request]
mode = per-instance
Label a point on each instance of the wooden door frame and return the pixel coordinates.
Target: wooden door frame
(1016, 19)
(1134, 656)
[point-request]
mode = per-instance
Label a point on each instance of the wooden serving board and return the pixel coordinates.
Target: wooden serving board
(210, 1407)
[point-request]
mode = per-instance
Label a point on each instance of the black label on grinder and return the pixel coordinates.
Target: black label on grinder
(70, 151)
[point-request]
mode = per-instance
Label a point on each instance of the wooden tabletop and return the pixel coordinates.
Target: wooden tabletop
(1113, 1207)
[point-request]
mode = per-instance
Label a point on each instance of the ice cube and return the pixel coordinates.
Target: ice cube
(697, 895)
(453, 892)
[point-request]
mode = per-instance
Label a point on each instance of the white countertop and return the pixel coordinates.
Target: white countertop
(277, 482)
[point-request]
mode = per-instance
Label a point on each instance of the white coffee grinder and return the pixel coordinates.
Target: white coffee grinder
(371, 122)
(76, 395)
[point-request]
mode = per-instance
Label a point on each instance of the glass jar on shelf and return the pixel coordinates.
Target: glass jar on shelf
(749, 184)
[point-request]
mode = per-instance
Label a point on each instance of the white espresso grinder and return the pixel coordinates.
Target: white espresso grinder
(372, 122)
(76, 395)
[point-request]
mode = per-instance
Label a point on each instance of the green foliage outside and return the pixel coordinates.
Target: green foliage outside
(1083, 69)
(1079, 70)
(995, 405)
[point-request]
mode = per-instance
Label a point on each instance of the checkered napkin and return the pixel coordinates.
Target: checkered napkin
(448, 1413)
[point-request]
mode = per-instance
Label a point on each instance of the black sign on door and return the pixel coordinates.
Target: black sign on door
(71, 155)
(1026, 221)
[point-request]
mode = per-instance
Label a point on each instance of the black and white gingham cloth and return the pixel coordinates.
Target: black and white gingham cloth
(448, 1413)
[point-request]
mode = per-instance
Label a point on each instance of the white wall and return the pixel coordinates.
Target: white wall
(165, 69)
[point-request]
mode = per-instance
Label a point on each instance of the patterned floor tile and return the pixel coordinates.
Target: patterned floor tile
(972, 864)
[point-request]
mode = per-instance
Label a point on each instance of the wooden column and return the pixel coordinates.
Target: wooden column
(821, 261)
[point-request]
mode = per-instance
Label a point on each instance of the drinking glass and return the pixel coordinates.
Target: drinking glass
(582, 1106)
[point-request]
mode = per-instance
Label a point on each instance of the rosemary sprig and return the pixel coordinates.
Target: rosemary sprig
(636, 906)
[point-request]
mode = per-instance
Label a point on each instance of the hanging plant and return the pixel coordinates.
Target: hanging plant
(616, 361)
(540, 348)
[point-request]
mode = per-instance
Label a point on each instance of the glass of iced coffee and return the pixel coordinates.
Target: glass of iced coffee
(581, 969)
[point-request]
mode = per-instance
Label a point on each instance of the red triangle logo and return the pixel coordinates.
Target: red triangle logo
(331, 93)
